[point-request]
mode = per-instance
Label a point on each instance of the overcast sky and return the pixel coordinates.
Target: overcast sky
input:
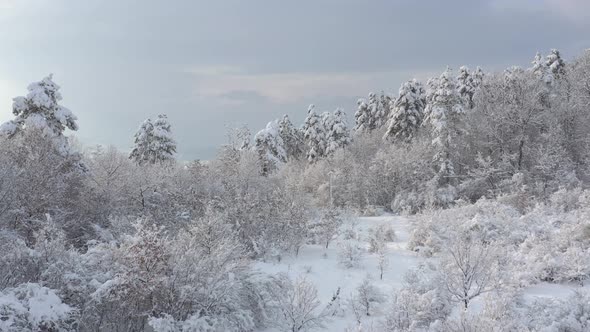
(213, 64)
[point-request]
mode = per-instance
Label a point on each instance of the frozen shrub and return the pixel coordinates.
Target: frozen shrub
(349, 227)
(18, 263)
(294, 305)
(379, 236)
(566, 200)
(421, 301)
(571, 314)
(367, 296)
(350, 253)
(32, 307)
(326, 228)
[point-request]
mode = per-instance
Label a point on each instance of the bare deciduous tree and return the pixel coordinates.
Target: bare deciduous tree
(295, 304)
(469, 269)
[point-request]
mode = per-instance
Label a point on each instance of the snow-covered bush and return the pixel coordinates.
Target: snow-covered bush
(547, 243)
(18, 263)
(327, 227)
(350, 253)
(557, 246)
(42, 180)
(366, 298)
(508, 312)
(379, 236)
(198, 278)
(349, 229)
(571, 314)
(501, 312)
(294, 304)
(407, 202)
(32, 307)
(486, 220)
(420, 302)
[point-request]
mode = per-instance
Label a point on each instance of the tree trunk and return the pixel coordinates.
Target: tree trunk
(520, 153)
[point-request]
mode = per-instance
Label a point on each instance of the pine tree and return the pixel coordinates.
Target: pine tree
(141, 152)
(379, 109)
(555, 65)
(372, 114)
(153, 142)
(444, 109)
(386, 101)
(293, 140)
(549, 70)
(314, 134)
(539, 67)
(40, 109)
(466, 85)
(269, 145)
(478, 77)
(406, 112)
(164, 144)
(362, 117)
(337, 134)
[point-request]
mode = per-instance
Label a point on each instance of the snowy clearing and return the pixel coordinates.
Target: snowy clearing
(320, 266)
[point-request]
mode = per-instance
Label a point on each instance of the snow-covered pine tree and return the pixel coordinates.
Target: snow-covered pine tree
(142, 145)
(550, 69)
(293, 140)
(337, 134)
(555, 65)
(164, 144)
(372, 114)
(362, 117)
(327, 122)
(243, 137)
(314, 134)
(466, 86)
(406, 112)
(153, 142)
(269, 145)
(478, 76)
(238, 139)
(386, 101)
(513, 73)
(40, 109)
(379, 110)
(444, 109)
(540, 70)
(539, 67)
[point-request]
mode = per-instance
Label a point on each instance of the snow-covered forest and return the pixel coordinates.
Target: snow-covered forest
(456, 204)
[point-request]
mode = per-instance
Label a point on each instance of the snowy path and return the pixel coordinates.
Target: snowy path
(320, 266)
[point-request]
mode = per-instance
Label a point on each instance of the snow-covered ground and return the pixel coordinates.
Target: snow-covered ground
(320, 266)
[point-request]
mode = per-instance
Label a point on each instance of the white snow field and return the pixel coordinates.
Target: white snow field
(321, 266)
